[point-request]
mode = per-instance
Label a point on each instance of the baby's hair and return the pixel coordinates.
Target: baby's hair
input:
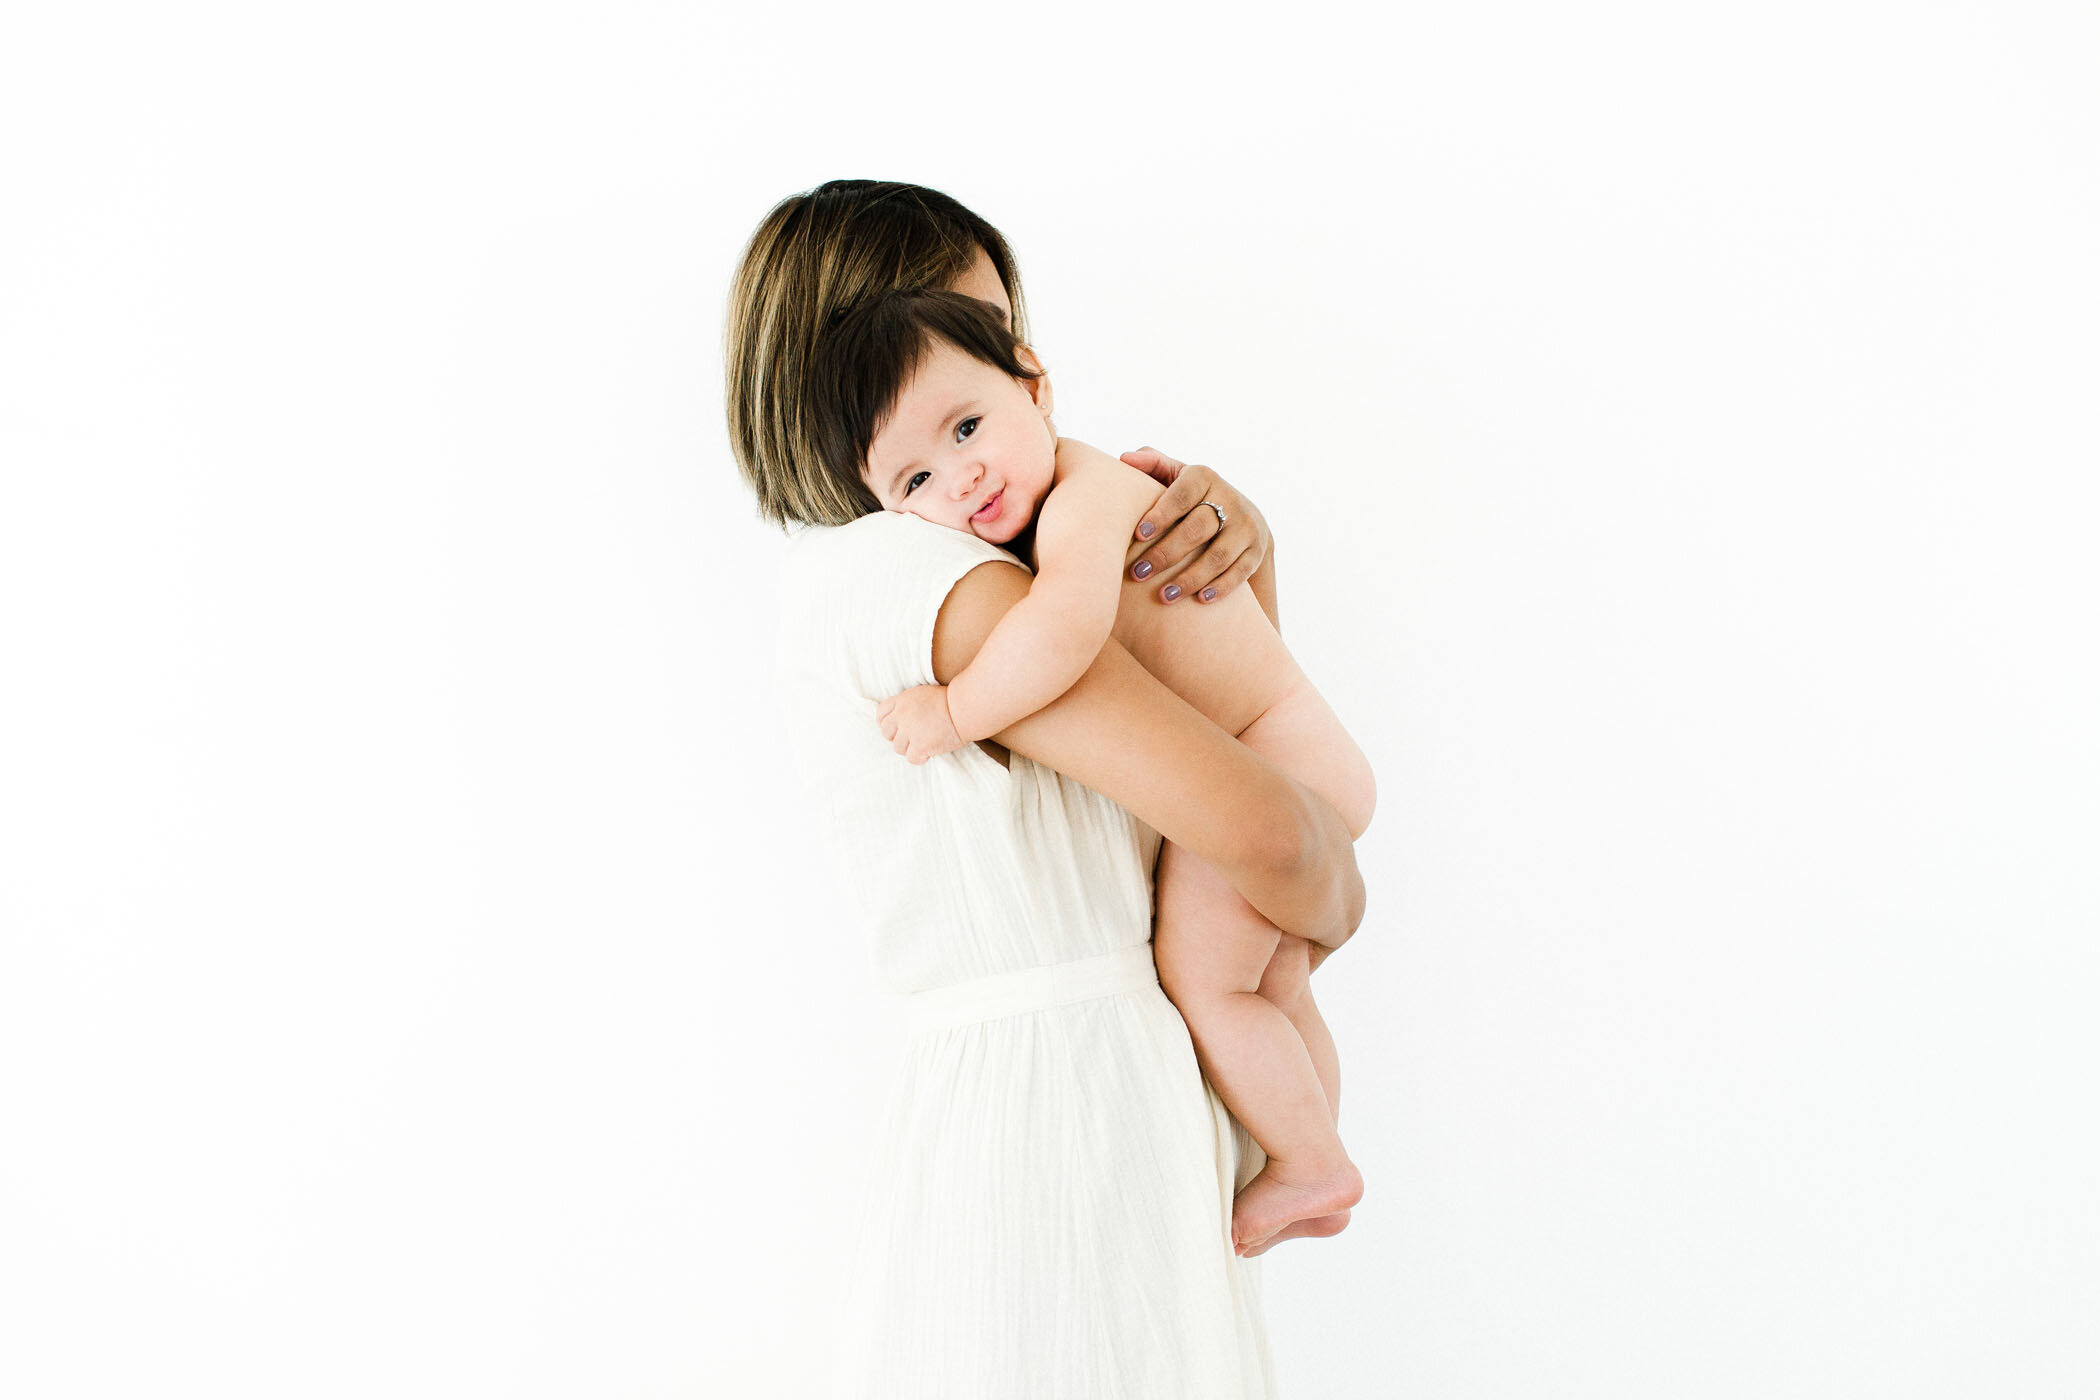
(872, 350)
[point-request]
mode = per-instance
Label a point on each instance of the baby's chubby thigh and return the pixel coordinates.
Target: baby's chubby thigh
(1224, 658)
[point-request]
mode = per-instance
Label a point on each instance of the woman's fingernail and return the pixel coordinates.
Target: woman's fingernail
(1143, 569)
(1207, 594)
(1145, 533)
(1173, 592)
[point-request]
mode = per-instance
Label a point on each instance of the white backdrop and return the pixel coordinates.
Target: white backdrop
(1679, 430)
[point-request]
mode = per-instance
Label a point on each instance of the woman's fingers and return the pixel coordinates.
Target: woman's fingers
(1179, 531)
(1195, 526)
(1233, 554)
(1170, 507)
(1182, 523)
(1222, 567)
(1161, 468)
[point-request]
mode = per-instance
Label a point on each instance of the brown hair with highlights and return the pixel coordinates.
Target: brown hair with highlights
(813, 259)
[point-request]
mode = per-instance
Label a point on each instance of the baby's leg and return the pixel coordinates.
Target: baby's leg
(1212, 949)
(1300, 734)
(1286, 984)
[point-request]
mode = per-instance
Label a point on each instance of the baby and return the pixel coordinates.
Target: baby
(928, 396)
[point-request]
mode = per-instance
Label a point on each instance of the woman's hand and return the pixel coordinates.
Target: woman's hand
(1178, 523)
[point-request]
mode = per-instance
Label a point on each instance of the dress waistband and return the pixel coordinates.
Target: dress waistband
(1030, 989)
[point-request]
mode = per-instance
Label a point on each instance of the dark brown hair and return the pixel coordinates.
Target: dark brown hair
(864, 361)
(815, 255)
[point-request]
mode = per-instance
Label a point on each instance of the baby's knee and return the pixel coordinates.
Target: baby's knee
(1357, 798)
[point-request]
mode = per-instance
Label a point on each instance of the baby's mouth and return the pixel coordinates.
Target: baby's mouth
(990, 508)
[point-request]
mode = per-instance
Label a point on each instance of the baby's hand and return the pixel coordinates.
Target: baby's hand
(917, 724)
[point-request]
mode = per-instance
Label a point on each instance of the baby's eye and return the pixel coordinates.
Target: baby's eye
(917, 477)
(965, 428)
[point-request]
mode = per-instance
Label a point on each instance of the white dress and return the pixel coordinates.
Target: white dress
(1047, 1205)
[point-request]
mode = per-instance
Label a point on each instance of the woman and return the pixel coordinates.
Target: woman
(1048, 1201)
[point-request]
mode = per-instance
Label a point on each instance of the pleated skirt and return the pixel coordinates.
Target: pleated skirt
(1047, 1204)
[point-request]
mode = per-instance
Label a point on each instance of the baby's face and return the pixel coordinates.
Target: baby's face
(968, 446)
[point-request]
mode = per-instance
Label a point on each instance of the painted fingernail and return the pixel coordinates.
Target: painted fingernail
(1207, 594)
(1143, 569)
(1173, 592)
(1145, 531)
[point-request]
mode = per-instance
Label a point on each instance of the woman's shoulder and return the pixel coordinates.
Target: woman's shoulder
(885, 560)
(862, 598)
(887, 540)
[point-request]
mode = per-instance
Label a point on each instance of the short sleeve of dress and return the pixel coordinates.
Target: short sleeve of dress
(858, 602)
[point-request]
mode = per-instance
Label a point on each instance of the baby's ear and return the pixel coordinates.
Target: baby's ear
(1038, 387)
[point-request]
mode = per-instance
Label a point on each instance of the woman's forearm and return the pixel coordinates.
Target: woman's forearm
(1281, 845)
(1119, 731)
(1317, 891)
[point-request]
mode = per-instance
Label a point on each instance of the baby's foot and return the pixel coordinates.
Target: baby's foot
(1280, 1194)
(1320, 1226)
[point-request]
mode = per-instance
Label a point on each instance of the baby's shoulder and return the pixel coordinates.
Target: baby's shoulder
(1094, 491)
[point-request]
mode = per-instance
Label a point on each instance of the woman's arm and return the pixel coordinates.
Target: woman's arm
(1125, 735)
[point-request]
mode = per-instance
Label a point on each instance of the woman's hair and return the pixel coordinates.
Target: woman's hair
(864, 361)
(812, 260)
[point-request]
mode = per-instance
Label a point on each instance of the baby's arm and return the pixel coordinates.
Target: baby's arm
(1048, 639)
